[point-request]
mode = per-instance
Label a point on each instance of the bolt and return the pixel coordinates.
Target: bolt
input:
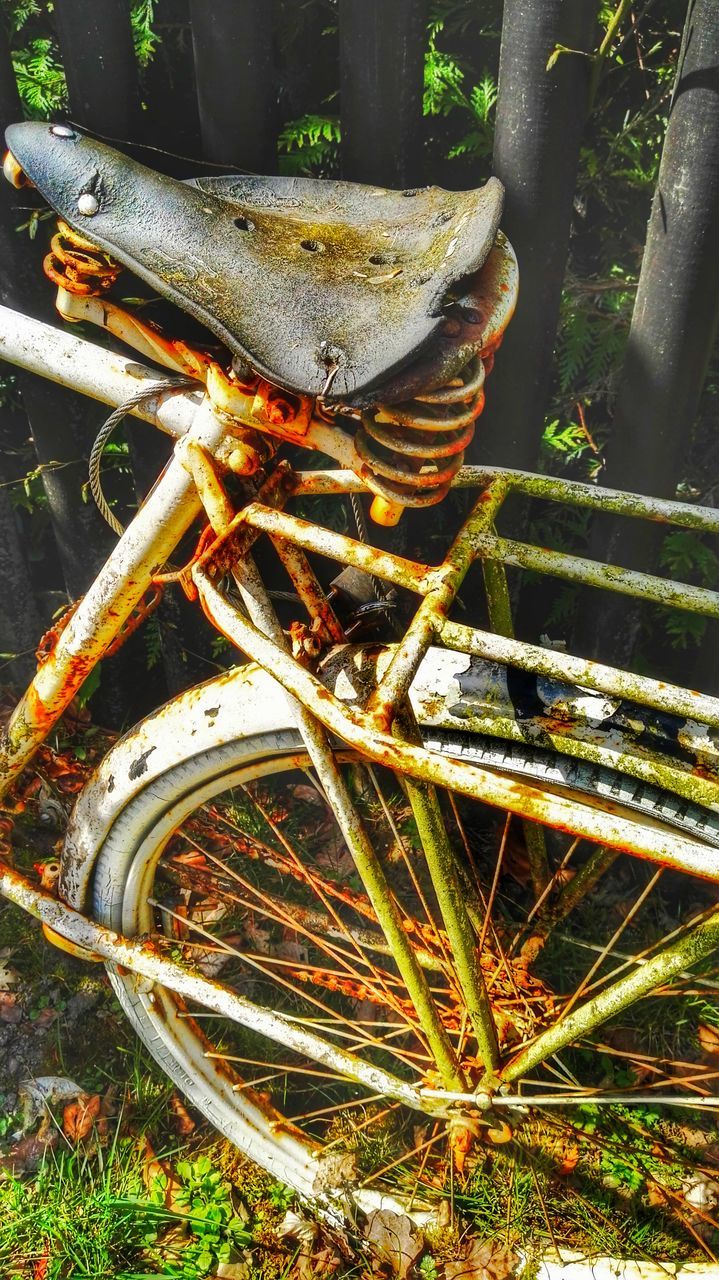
(88, 205)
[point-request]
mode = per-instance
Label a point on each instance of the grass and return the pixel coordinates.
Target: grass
(63, 1221)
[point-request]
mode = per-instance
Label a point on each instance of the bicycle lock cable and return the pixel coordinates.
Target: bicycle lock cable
(148, 392)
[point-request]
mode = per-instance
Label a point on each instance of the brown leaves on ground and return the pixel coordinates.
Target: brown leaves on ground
(488, 1260)
(395, 1241)
(708, 1039)
(28, 1154)
(85, 1118)
(80, 1117)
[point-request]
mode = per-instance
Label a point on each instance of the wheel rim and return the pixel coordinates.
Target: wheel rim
(139, 913)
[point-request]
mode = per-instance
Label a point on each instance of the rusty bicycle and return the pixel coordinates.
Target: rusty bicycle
(291, 871)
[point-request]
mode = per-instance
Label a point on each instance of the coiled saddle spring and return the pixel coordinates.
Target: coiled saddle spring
(414, 449)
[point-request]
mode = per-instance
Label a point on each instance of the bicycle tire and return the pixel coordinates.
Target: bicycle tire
(125, 847)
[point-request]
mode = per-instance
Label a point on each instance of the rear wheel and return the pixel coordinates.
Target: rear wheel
(232, 859)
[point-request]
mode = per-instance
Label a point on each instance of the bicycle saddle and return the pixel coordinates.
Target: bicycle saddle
(323, 286)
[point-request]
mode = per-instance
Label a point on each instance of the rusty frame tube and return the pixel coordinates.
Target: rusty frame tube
(582, 671)
(441, 587)
(592, 573)
(102, 375)
(442, 868)
(335, 546)
(264, 616)
(548, 488)
(151, 538)
(370, 869)
(499, 608)
(309, 590)
(646, 839)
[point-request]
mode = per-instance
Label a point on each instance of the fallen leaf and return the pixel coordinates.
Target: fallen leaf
(41, 1265)
(28, 1154)
(183, 1122)
(78, 1118)
(568, 1159)
(10, 1007)
(487, 1260)
(233, 1271)
(8, 976)
(708, 1038)
(394, 1240)
(35, 1096)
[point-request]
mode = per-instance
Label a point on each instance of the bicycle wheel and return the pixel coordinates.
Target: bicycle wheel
(208, 831)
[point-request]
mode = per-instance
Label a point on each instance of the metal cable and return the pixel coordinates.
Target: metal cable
(361, 524)
(148, 392)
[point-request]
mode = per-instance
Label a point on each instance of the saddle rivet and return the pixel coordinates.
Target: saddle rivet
(62, 131)
(88, 204)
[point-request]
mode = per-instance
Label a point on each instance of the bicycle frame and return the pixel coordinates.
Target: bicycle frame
(382, 730)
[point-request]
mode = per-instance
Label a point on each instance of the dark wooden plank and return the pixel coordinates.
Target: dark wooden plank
(96, 45)
(236, 83)
(382, 50)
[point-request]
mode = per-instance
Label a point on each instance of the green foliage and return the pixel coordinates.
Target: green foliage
(152, 634)
(568, 439)
(689, 559)
(69, 1214)
(17, 12)
(310, 144)
(444, 93)
(203, 1207)
(144, 36)
(40, 78)
(686, 557)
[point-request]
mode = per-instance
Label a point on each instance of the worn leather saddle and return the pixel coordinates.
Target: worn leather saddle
(324, 287)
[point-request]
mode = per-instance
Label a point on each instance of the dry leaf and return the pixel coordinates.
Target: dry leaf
(41, 1265)
(394, 1240)
(8, 975)
(568, 1159)
(28, 1154)
(10, 1007)
(483, 1261)
(35, 1096)
(708, 1038)
(79, 1117)
(183, 1122)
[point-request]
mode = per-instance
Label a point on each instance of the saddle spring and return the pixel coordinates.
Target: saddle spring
(414, 449)
(76, 265)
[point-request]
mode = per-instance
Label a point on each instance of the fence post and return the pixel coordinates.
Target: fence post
(98, 55)
(382, 49)
(677, 305)
(20, 625)
(540, 117)
(236, 84)
(58, 418)
(675, 316)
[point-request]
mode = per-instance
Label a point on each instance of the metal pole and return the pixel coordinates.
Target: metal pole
(540, 116)
(382, 50)
(236, 83)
